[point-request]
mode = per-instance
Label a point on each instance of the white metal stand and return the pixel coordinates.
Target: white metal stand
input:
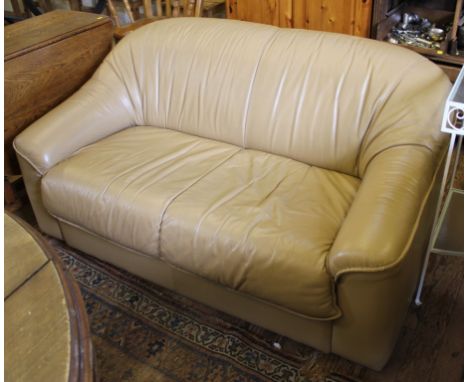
(452, 123)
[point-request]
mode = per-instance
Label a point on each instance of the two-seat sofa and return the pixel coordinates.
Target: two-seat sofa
(284, 176)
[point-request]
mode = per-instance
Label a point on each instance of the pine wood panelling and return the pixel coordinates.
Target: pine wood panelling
(285, 13)
(331, 15)
(341, 16)
(300, 15)
(231, 9)
(362, 17)
(262, 11)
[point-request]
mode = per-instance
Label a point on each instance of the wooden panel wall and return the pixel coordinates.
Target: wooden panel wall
(341, 16)
(263, 11)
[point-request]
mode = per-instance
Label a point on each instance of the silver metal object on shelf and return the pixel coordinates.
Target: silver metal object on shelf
(416, 31)
(436, 34)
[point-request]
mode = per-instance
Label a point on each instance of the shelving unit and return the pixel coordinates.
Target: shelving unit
(447, 231)
(388, 13)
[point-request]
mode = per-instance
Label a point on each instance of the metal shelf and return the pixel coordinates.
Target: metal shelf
(447, 230)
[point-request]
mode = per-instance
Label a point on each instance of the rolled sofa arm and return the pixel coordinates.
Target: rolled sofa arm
(383, 219)
(101, 107)
(377, 255)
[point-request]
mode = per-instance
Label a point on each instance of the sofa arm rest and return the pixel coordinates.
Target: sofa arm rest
(101, 107)
(383, 219)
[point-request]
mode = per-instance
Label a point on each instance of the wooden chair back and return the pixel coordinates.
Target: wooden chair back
(173, 8)
(167, 8)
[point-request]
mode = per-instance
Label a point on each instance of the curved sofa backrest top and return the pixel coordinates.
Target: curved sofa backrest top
(325, 99)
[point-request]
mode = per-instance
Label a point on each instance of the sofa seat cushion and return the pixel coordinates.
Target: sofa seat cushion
(255, 222)
(120, 187)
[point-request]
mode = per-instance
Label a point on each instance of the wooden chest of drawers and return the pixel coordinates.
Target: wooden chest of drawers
(47, 58)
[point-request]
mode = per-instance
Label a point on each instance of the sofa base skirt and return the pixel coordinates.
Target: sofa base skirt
(315, 333)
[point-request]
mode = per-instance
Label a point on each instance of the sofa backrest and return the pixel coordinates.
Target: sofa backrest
(329, 100)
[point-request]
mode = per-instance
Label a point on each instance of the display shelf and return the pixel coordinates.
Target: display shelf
(447, 231)
(388, 13)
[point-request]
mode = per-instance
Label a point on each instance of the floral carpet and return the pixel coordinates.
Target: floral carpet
(142, 332)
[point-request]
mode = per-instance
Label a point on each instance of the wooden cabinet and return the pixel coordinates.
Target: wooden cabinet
(341, 16)
(47, 58)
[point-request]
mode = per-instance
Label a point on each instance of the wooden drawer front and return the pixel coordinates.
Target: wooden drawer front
(40, 79)
(341, 16)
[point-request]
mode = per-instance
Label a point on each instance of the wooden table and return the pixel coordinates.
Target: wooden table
(47, 58)
(47, 336)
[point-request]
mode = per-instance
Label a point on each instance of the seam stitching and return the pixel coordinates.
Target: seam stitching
(170, 202)
(172, 266)
(247, 104)
(375, 116)
(416, 224)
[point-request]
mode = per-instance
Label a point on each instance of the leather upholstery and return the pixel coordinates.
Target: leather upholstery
(283, 164)
(399, 208)
(374, 303)
(266, 229)
(314, 332)
(130, 180)
(274, 97)
(32, 180)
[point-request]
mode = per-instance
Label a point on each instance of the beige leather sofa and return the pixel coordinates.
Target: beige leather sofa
(284, 176)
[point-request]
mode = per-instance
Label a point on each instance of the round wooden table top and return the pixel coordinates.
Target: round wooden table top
(46, 329)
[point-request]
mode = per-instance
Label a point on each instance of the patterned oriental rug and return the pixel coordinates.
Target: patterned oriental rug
(143, 332)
